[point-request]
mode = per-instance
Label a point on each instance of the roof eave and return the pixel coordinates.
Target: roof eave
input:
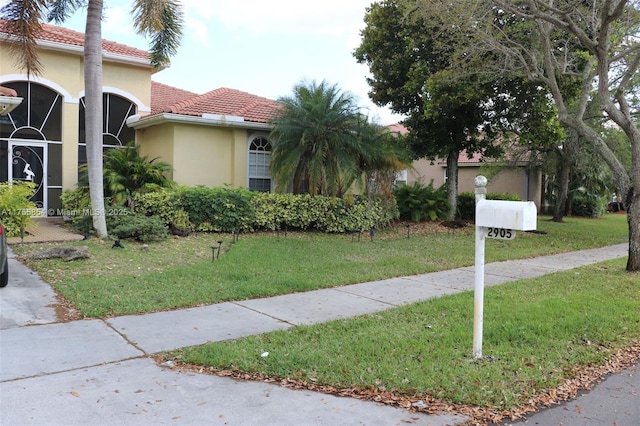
(141, 122)
(107, 56)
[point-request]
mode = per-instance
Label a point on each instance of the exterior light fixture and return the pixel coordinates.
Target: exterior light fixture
(8, 104)
(215, 251)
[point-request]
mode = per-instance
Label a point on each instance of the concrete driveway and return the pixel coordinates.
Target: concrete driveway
(26, 300)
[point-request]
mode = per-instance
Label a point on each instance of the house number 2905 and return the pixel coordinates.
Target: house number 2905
(501, 233)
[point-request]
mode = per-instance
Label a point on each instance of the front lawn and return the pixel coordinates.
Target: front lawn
(544, 338)
(179, 272)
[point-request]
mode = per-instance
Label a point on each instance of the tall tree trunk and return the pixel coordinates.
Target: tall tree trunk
(562, 178)
(633, 218)
(625, 184)
(93, 113)
(632, 204)
(452, 182)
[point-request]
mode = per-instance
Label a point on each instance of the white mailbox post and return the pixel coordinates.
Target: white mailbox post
(494, 219)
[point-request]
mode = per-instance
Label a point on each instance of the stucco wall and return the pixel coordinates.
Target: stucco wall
(526, 185)
(157, 142)
(423, 171)
(199, 155)
(63, 73)
(511, 181)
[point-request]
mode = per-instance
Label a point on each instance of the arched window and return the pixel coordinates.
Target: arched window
(260, 164)
(115, 132)
(31, 142)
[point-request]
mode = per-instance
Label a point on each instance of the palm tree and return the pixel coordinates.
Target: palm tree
(386, 154)
(159, 19)
(315, 141)
(126, 173)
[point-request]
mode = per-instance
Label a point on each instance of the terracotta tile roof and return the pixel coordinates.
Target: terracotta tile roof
(463, 157)
(398, 128)
(170, 99)
(475, 158)
(54, 34)
(163, 96)
(221, 101)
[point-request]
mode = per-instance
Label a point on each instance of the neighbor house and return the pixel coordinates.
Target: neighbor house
(518, 177)
(214, 139)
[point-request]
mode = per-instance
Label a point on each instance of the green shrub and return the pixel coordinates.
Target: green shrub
(467, 203)
(136, 226)
(224, 210)
(218, 209)
(588, 205)
(418, 202)
(466, 206)
(16, 208)
(163, 204)
(504, 197)
(75, 200)
(326, 214)
(275, 211)
(180, 224)
(77, 208)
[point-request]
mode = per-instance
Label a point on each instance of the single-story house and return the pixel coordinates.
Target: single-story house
(214, 139)
(519, 178)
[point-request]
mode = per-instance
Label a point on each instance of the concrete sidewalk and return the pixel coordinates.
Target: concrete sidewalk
(98, 371)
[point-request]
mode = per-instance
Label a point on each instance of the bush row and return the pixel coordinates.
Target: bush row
(586, 205)
(467, 203)
(226, 210)
(418, 202)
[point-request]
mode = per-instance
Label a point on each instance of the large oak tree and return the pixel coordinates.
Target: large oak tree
(411, 55)
(594, 43)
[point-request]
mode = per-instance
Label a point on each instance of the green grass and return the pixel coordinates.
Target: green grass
(537, 333)
(178, 272)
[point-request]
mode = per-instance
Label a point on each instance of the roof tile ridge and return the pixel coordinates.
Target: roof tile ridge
(183, 104)
(168, 86)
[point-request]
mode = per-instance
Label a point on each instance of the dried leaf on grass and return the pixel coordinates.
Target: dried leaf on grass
(583, 379)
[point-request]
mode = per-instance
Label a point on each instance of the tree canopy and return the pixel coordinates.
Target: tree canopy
(412, 55)
(596, 45)
(577, 52)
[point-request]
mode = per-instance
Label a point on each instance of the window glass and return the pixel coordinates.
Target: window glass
(115, 110)
(39, 116)
(259, 167)
(115, 132)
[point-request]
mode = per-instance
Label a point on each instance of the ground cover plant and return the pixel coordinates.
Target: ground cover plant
(544, 338)
(179, 272)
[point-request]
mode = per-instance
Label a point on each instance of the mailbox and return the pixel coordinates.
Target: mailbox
(518, 215)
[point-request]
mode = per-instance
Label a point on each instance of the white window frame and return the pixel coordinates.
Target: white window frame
(252, 154)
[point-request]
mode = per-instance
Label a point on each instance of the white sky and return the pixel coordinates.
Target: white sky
(258, 46)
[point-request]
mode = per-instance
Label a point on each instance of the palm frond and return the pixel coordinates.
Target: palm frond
(23, 22)
(162, 21)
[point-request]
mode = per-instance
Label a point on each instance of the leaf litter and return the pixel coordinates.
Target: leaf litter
(582, 379)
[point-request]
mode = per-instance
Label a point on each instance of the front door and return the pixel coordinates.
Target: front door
(27, 162)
